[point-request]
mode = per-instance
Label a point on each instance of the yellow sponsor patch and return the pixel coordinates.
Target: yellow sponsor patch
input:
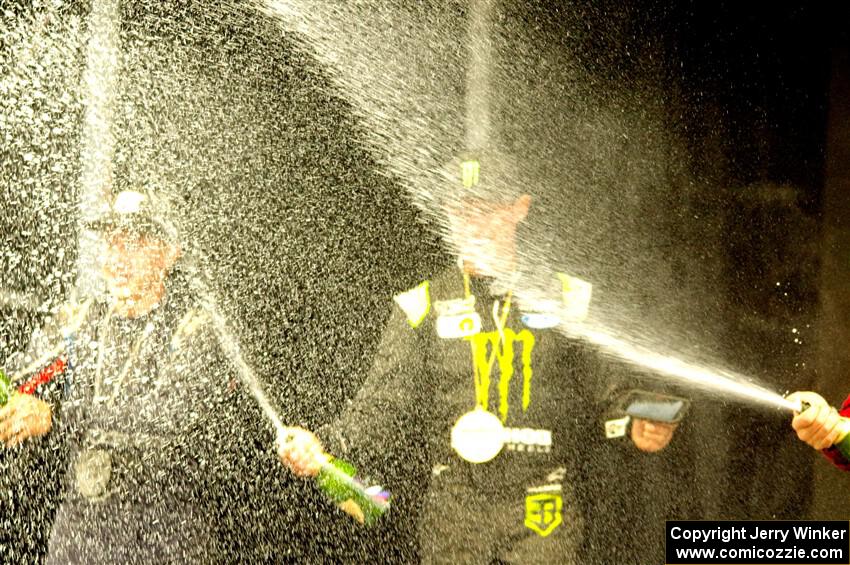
(576, 297)
(543, 512)
(416, 303)
(470, 171)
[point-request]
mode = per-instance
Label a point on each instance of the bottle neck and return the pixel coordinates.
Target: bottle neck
(5, 388)
(843, 443)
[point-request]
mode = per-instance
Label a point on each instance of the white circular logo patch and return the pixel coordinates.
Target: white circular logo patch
(478, 436)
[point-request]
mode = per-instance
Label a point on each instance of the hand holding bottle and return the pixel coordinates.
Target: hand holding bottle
(818, 424)
(301, 452)
(23, 417)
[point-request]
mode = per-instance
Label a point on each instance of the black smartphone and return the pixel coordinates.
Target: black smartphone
(654, 406)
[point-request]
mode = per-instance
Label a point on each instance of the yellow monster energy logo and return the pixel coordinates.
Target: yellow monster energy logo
(482, 343)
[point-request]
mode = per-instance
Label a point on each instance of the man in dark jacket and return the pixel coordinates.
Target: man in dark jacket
(483, 420)
(146, 402)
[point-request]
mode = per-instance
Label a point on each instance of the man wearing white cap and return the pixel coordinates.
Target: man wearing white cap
(145, 402)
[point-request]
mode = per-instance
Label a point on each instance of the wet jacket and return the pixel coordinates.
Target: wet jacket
(526, 504)
(153, 418)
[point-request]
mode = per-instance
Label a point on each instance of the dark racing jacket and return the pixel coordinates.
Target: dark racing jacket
(154, 420)
(489, 438)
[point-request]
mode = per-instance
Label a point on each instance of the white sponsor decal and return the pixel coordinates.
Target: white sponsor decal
(617, 427)
(459, 325)
(540, 321)
(479, 436)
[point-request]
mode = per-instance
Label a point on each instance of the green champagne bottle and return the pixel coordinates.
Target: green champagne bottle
(5, 388)
(843, 444)
(338, 480)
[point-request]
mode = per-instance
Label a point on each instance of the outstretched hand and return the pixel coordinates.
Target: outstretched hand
(301, 451)
(23, 417)
(819, 425)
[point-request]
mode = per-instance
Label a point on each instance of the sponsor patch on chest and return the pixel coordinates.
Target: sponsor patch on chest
(543, 510)
(458, 326)
(540, 320)
(457, 318)
(479, 436)
(528, 439)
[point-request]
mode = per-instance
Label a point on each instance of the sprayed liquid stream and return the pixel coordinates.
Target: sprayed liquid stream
(249, 378)
(232, 349)
(674, 368)
(317, 33)
(477, 137)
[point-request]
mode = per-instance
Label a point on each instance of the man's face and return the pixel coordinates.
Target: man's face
(484, 234)
(135, 268)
